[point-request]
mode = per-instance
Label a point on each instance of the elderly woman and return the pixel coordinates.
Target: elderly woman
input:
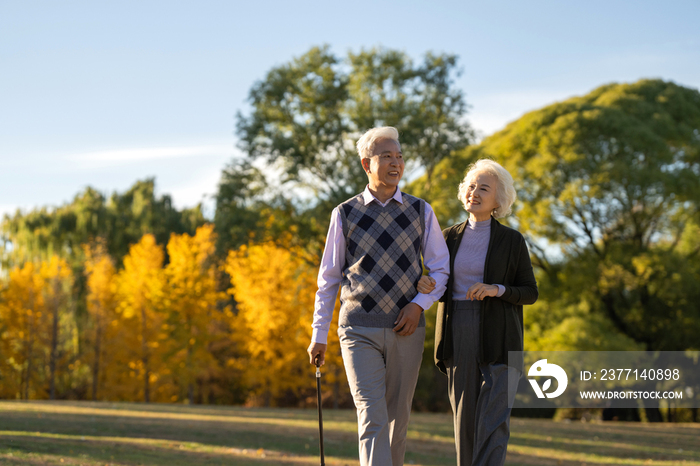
(480, 316)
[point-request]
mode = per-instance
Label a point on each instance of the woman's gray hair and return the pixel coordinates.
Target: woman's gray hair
(505, 191)
(365, 145)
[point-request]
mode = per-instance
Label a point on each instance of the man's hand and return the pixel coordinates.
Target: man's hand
(479, 291)
(317, 349)
(408, 319)
(426, 284)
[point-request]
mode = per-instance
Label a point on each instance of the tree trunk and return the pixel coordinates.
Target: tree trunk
(190, 370)
(96, 363)
(336, 387)
(54, 339)
(30, 344)
(144, 357)
(653, 414)
(429, 177)
(621, 414)
(28, 357)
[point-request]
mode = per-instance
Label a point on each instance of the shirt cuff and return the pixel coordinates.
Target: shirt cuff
(423, 300)
(319, 335)
(501, 290)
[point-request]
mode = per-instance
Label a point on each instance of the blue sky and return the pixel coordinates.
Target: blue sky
(103, 94)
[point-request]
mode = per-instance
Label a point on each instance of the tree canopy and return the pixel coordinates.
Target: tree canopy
(119, 220)
(609, 194)
(307, 114)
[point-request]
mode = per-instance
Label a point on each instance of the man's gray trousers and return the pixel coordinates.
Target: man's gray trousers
(382, 369)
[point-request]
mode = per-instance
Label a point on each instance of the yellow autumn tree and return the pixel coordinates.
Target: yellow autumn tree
(192, 311)
(140, 293)
(102, 309)
(37, 330)
(61, 340)
(274, 289)
(23, 315)
(7, 372)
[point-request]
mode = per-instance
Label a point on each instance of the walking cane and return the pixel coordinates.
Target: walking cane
(320, 413)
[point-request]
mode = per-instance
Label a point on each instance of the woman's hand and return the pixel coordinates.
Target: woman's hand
(479, 291)
(426, 284)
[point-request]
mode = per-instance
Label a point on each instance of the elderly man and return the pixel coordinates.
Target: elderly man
(373, 252)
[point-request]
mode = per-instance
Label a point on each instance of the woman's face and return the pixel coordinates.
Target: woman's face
(480, 198)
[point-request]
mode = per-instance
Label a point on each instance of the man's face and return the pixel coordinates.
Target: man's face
(385, 167)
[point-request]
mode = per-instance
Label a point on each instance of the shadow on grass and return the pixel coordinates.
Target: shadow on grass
(604, 443)
(33, 449)
(297, 434)
(43, 433)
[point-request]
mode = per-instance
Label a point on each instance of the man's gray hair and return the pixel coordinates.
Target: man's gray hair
(365, 145)
(505, 191)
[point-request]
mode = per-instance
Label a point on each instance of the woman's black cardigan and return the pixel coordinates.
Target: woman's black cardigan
(501, 323)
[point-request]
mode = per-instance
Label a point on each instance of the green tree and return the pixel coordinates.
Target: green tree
(609, 182)
(307, 114)
(139, 211)
(421, 101)
(239, 205)
(250, 209)
(121, 220)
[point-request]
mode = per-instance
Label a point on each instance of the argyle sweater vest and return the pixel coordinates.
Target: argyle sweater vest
(382, 260)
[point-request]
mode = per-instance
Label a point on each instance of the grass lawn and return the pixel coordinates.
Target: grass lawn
(84, 433)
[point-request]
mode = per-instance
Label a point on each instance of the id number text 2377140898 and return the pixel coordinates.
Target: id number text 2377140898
(634, 374)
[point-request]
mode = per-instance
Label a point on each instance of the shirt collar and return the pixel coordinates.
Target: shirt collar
(368, 197)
